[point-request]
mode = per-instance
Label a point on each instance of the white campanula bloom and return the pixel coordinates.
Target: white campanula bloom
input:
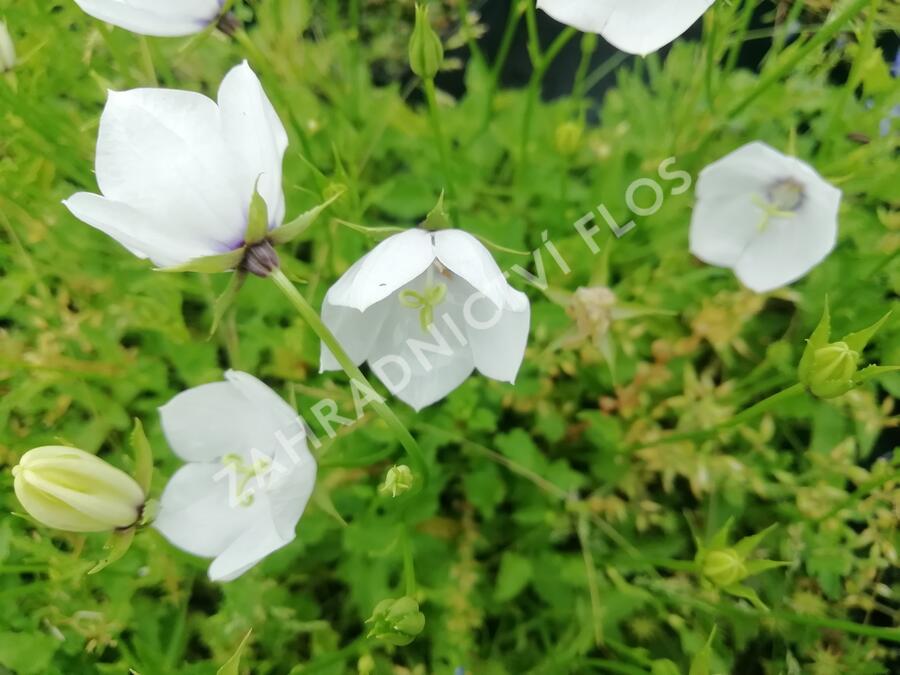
(72, 490)
(7, 49)
(177, 171)
(161, 18)
(769, 217)
(634, 26)
(248, 477)
(425, 309)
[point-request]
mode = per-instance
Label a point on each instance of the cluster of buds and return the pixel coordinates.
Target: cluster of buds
(396, 622)
(830, 369)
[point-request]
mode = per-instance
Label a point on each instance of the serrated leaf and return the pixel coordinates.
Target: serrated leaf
(211, 264)
(118, 544)
(232, 665)
(143, 457)
(299, 225)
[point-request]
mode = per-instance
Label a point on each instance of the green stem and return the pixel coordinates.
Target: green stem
(309, 315)
(409, 569)
(438, 130)
(747, 415)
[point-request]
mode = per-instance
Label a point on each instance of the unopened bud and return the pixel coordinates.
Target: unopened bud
(396, 622)
(72, 490)
(833, 368)
(399, 479)
(568, 137)
(426, 53)
(723, 567)
(7, 49)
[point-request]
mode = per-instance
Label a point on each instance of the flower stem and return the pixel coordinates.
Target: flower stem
(750, 413)
(309, 315)
(438, 130)
(409, 569)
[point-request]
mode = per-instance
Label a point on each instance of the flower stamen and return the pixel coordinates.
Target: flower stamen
(425, 302)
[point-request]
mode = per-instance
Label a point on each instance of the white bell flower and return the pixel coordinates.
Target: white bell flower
(177, 172)
(769, 217)
(634, 26)
(425, 309)
(248, 477)
(160, 18)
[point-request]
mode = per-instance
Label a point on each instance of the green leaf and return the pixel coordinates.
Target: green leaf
(118, 544)
(700, 664)
(514, 574)
(741, 591)
(857, 341)
(232, 665)
(225, 300)
(210, 264)
(143, 457)
(299, 225)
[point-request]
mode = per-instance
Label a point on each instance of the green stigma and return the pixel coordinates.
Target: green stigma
(245, 473)
(425, 302)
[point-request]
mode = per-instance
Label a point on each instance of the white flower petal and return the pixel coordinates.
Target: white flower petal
(634, 26)
(196, 513)
(468, 258)
(274, 527)
(393, 263)
(163, 18)
(238, 416)
(419, 367)
(136, 231)
(789, 248)
(162, 152)
(355, 331)
(498, 338)
(256, 135)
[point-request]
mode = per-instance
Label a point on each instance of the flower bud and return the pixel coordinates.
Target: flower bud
(833, 368)
(399, 479)
(72, 490)
(568, 137)
(723, 567)
(396, 622)
(426, 53)
(7, 50)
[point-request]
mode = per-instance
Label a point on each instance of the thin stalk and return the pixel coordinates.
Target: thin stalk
(443, 153)
(409, 569)
(309, 315)
(738, 40)
(750, 413)
(147, 61)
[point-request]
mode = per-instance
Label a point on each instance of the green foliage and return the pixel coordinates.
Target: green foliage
(556, 532)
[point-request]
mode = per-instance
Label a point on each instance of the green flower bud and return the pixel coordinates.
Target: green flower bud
(396, 622)
(833, 368)
(72, 490)
(399, 479)
(568, 137)
(723, 567)
(426, 53)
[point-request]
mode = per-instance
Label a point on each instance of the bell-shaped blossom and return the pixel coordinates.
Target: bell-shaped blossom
(161, 18)
(425, 309)
(769, 217)
(178, 172)
(72, 490)
(634, 26)
(248, 477)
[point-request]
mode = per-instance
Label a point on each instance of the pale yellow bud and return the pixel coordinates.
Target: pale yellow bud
(7, 49)
(72, 490)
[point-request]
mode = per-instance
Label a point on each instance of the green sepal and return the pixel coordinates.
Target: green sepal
(818, 339)
(257, 219)
(299, 225)
(700, 664)
(210, 264)
(871, 372)
(143, 457)
(755, 567)
(747, 545)
(664, 667)
(232, 665)
(225, 300)
(118, 544)
(437, 218)
(741, 591)
(322, 499)
(857, 341)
